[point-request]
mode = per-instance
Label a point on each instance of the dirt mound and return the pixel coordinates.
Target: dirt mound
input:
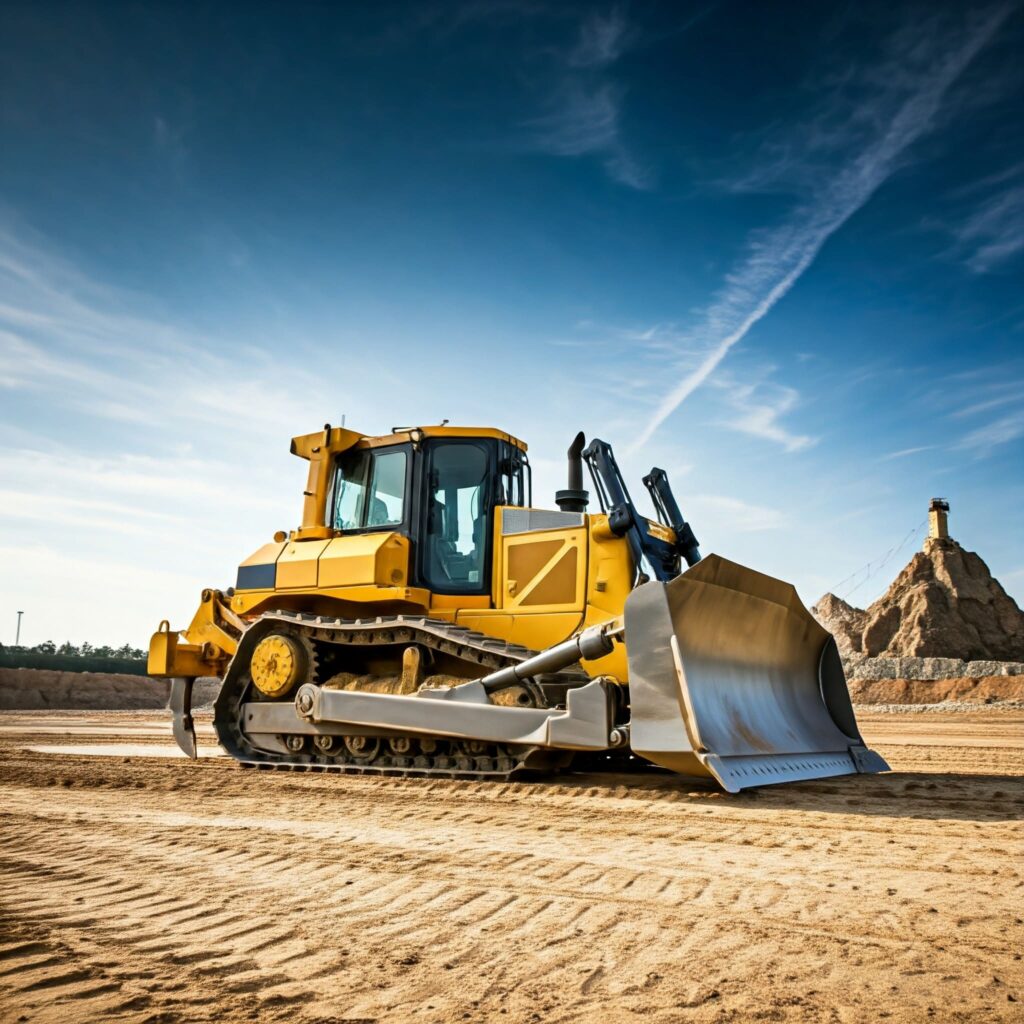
(843, 621)
(33, 689)
(944, 604)
(986, 690)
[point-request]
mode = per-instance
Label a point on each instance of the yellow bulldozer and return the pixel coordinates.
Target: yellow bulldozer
(426, 619)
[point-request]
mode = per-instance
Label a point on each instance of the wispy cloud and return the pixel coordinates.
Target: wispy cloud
(905, 95)
(993, 394)
(137, 443)
(904, 453)
(64, 336)
(585, 103)
(758, 410)
(585, 120)
(993, 232)
(601, 40)
(1003, 430)
(994, 387)
(661, 340)
(732, 515)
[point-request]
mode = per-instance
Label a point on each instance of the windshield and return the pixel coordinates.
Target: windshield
(369, 489)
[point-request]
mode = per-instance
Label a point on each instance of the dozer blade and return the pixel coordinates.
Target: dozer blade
(731, 677)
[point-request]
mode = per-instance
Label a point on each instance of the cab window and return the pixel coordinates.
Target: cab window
(458, 506)
(369, 490)
(512, 462)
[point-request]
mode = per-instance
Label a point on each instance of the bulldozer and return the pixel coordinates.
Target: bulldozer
(426, 619)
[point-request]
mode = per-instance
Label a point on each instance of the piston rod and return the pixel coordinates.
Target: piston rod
(595, 642)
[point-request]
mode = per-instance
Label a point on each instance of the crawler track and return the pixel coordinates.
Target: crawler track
(492, 761)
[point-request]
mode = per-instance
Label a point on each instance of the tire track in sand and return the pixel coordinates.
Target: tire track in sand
(175, 892)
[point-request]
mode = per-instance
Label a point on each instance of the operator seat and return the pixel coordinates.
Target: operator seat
(441, 553)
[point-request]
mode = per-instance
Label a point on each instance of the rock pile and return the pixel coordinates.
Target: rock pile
(944, 604)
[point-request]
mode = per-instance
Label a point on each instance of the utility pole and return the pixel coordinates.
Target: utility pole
(17, 635)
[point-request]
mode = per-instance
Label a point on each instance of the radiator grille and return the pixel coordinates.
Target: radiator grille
(530, 520)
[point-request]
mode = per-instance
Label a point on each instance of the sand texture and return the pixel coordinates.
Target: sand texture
(34, 689)
(148, 889)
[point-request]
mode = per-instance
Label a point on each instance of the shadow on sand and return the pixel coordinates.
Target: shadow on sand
(928, 796)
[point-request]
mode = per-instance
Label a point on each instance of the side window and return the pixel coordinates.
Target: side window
(457, 519)
(369, 489)
(512, 492)
(387, 490)
(350, 489)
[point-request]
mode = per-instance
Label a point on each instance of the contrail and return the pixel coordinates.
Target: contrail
(779, 257)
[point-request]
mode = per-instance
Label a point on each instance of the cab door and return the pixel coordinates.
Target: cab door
(456, 547)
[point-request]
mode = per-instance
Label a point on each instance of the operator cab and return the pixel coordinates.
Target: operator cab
(440, 492)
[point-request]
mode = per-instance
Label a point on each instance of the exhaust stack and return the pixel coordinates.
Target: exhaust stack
(574, 498)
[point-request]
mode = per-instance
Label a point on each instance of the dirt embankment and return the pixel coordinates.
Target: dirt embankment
(26, 689)
(33, 689)
(986, 690)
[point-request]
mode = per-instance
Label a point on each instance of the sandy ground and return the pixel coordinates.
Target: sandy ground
(151, 889)
(44, 689)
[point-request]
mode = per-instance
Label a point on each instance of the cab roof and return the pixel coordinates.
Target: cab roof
(337, 439)
(400, 434)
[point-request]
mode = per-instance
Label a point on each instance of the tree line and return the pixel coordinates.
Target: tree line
(85, 651)
(71, 658)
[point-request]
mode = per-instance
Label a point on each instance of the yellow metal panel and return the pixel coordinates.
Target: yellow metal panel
(610, 577)
(266, 554)
(377, 594)
(613, 664)
(348, 602)
(544, 570)
(381, 559)
(453, 602)
(609, 582)
(531, 630)
(662, 532)
(526, 559)
(296, 565)
(320, 449)
(329, 442)
(559, 583)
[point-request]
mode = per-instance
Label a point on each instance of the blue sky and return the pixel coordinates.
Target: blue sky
(775, 249)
